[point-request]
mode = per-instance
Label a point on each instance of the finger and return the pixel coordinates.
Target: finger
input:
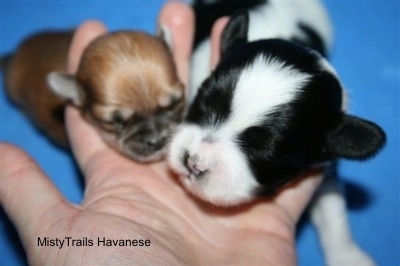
(83, 138)
(84, 34)
(295, 197)
(26, 193)
(179, 19)
(216, 32)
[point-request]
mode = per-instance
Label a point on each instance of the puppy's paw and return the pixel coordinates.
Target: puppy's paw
(349, 255)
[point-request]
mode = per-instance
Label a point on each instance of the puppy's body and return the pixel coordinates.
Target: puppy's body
(283, 20)
(272, 109)
(27, 86)
(126, 86)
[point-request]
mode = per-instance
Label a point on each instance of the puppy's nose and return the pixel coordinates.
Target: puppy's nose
(193, 165)
(155, 143)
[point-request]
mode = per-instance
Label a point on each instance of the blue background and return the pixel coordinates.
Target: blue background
(366, 55)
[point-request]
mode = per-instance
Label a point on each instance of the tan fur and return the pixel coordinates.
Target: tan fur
(27, 86)
(136, 78)
(131, 72)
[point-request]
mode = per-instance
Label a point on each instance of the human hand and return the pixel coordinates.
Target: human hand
(127, 200)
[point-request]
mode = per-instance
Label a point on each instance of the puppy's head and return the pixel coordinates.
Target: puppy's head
(269, 111)
(127, 86)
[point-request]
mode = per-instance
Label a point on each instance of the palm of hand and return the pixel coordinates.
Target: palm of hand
(128, 201)
(125, 200)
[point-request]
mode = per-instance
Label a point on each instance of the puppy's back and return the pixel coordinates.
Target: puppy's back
(26, 82)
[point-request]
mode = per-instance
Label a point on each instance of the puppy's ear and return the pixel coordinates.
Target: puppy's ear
(65, 86)
(164, 33)
(235, 31)
(355, 138)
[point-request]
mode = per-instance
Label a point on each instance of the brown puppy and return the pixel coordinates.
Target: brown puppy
(126, 86)
(25, 81)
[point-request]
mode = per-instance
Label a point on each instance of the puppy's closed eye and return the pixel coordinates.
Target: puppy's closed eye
(109, 120)
(175, 104)
(117, 122)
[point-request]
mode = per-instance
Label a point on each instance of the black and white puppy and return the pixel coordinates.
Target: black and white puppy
(272, 109)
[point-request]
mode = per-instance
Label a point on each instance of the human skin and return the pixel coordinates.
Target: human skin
(127, 200)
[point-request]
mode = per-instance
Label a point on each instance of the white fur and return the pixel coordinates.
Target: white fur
(200, 68)
(329, 215)
(229, 180)
(165, 33)
(279, 19)
(263, 86)
(65, 86)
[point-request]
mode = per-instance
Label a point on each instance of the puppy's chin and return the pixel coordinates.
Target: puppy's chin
(215, 193)
(211, 167)
(138, 155)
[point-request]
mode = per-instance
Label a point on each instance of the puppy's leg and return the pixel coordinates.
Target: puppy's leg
(328, 213)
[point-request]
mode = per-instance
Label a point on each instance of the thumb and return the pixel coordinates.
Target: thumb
(178, 17)
(84, 34)
(217, 29)
(26, 193)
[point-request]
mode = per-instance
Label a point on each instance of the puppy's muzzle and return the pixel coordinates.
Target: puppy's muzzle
(193, 165)
(152, 141)
(146, 141)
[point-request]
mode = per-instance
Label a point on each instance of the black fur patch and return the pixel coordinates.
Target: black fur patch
(355, 138)
(212, 104)
(207, 14)
(312, 40)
